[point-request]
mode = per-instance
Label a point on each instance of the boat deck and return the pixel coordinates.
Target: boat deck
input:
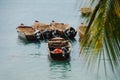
(26, 30)
(60, 26)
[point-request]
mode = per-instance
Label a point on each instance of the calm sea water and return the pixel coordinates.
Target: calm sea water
(20, 60)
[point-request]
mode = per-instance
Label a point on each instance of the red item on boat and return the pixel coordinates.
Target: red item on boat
(57, 51)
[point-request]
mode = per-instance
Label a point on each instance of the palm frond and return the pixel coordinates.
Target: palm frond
(102, 35)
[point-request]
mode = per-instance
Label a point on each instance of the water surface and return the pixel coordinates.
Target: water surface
(20, 60)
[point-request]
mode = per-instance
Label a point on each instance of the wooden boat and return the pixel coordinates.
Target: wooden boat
(41, 31)
(81, 30)
(64, 30)
(45, 30)
(40, 26)
(38, 31)
(59, 48)
(26, 33)
(86, 11)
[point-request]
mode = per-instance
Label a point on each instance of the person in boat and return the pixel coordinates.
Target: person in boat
(64, 51)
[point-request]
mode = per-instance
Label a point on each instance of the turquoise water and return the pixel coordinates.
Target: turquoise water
(20, 60)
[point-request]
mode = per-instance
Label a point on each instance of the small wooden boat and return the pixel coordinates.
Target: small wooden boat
(45, 30)
(59, 48)
(38, 31)
(64, 30)
(26, 33)
(86, 11)
(41, 31)
(82, 29)
(40, 26)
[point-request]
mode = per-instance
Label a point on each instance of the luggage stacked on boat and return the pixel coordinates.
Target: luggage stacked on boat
(41, 31)
(59, 48)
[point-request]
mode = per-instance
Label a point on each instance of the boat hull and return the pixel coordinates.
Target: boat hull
(26, 33)
(59, 56)
(59, 49)
(86, 11)
(65, 34)
(64, 30)
(81, 31)
(22, 35)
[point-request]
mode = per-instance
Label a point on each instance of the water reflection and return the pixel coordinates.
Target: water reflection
(72, 40)
(33, 48)
(59, 69)
(25, 42)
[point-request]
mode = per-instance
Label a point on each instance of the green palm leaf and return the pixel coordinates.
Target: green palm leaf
(102, 36)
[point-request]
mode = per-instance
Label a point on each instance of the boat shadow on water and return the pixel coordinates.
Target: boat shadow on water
(59, 59)
(25, 42)
(36, 47)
